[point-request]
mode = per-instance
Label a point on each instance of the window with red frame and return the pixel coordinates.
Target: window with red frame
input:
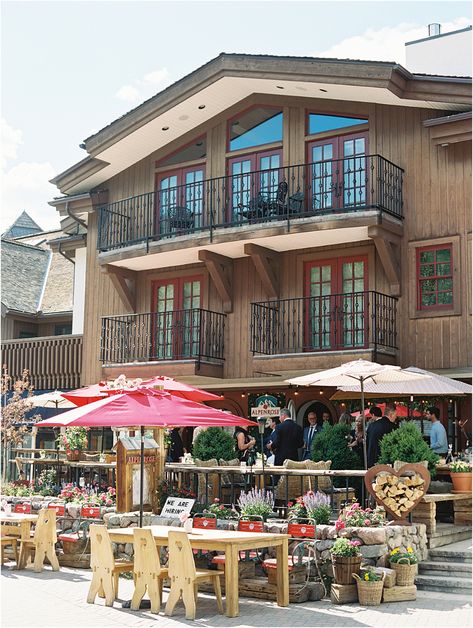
(435, 277)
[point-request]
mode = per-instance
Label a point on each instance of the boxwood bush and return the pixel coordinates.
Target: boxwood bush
(214, 443)
(407, 444)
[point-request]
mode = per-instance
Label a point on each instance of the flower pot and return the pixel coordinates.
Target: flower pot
(73, 455)
(405, 573)
(369, 593)
(461, 482)
(344, 567)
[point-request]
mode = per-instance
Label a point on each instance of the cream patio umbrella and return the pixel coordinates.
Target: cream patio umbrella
(355, 374)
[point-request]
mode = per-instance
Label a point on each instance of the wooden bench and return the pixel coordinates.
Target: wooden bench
(426, 510)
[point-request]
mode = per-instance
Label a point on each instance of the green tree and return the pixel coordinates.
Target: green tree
(214, 443)
(332, 444)
(406, 444)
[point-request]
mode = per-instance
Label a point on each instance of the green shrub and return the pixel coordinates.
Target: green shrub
(332, 444)
(406, 444)
(214, 443)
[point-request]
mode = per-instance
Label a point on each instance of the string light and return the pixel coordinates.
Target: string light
(296, 393)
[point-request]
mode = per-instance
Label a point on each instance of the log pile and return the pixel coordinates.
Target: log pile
(399, 494)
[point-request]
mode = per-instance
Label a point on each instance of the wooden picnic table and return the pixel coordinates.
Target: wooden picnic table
(231, 542)
(23, 523)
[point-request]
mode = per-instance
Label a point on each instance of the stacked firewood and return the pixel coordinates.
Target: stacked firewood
(399, 494)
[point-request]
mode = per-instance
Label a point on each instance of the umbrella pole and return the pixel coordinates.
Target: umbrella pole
(365, 457)
(142, 473)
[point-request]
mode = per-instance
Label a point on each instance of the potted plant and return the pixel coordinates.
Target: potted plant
(404, 564)
(369, 587)
(256, 502)
(346, 560)
(317, 506)
(220, 511)
(460, 472)
(357, 517)
(73, 441)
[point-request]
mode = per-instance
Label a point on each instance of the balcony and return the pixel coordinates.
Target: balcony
(53, 361)
(289, 194)
(354, 322)
(190, 339)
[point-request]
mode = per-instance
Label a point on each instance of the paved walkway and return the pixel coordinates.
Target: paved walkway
(58, 599)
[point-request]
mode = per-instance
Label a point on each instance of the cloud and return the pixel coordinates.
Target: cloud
(10, 140)
(385, 44)
(128, 93)
(25, 185)
(144, 87)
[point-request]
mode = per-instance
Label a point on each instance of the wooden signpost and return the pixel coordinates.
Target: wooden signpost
(128, 474)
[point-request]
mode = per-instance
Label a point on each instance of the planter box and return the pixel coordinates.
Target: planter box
(343, 593)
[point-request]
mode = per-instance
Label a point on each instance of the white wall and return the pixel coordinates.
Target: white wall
(448, 54)
(79, 291)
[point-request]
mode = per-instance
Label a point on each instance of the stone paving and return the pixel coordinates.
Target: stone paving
(58, 599)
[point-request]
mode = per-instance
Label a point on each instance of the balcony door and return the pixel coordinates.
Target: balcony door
(176, 319)
(180, 199)
(336, 305)
(253, 181)
(338, 172)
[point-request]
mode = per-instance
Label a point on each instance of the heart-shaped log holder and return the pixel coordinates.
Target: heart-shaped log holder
(400, 491)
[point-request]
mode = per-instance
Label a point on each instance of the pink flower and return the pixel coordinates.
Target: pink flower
(339, 525)
(355, 506)
(222, 507)
(290, 504)
(367, 522)
(355, 543)
(216, 500)
(368, 510)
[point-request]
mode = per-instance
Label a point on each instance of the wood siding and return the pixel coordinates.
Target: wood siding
(437, 203)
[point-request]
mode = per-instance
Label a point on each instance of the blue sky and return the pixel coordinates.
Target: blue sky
(70, 68)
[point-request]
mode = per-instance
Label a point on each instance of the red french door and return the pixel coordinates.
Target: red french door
(254, 181)
(338, 172)
(180, 199)
(176, 319)
(336, 307)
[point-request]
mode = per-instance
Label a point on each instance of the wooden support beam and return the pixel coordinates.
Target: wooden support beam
(266, 262)
(124, 281)
(221, 271)
(387, 244)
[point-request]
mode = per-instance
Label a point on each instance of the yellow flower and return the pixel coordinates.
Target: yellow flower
(367, 576)
(410, 550)
(394, 551)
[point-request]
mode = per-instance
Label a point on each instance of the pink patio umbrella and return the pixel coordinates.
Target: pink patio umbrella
(144, 407)
(89, 394)
(401, 411)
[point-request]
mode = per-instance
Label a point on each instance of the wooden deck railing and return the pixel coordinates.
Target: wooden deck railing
(53, 361)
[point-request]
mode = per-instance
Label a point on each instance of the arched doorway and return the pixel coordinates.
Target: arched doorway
(318, 406)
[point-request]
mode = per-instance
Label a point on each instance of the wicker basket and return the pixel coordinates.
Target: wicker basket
(369, 593)
(405, 572)
(344, 567)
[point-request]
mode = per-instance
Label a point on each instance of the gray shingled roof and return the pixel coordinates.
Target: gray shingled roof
(24, 225)
(24, 269)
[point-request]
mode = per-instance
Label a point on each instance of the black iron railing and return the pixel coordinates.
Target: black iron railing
(288, 193)
(193, 334)
(338, 322)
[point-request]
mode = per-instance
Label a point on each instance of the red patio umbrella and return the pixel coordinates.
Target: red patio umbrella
(401, 411)
(144, 407)
(89, 394)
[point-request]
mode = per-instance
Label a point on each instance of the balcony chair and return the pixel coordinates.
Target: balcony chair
(105, 569)
(149, 574)
(278, 207)
(181, 219)
(185, 578)
(42, 542)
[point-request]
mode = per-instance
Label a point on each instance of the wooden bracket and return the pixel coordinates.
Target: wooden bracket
(221, 271)
(387, 244)
(124, 281)
(266, 262)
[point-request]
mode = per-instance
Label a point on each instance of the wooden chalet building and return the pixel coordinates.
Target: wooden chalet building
(269, 216)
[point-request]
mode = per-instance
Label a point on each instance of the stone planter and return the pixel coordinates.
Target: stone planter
(461, 482)
(344, 567)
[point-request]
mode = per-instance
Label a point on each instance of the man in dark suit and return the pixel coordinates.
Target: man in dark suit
(378, 429)
(309, 432)
(288, 438)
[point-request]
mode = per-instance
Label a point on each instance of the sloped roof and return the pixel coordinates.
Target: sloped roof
(24, 225)
(24, 270)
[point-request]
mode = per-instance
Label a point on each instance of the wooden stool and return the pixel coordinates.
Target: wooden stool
(105, 568)
(185, 577)
(147, 569)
